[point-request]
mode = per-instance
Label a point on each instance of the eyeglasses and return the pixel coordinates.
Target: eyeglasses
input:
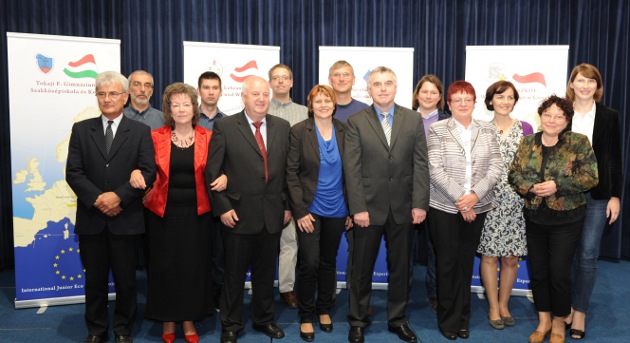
(283, 77)
(112, 95)
(341, 75)
(138, 84)
(463, 101)
(548, 116)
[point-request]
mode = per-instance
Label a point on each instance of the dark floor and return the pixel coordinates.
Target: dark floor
(608, 321)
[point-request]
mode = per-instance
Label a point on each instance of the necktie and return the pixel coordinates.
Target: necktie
(386, 128)
(261, 146)
(109, 136)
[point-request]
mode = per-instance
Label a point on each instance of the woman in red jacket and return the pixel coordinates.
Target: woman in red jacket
(179, 217)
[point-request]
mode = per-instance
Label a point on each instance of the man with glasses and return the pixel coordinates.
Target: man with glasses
(341, 78)
(140, 92)
(281, 105)
(102, 153)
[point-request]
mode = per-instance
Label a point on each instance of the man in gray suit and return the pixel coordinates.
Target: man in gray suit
(387, 180)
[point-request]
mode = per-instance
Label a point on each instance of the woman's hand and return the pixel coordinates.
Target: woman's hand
(612, 209)
(137, 180)
(219, 184)
(467, 202)
(306, 223)
(348, 223)
(469, 216)
(544, 189)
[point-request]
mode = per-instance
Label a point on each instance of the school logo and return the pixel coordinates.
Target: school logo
(241, 73)
(44, 63)
(83, 68)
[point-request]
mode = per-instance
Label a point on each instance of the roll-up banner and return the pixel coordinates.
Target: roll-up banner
(536, 72)
(363, 60)
(233, 63)
(51, 86)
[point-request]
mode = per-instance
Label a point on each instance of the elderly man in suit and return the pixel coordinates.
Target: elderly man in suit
(250, 148)
(387, 180)
(102, 153)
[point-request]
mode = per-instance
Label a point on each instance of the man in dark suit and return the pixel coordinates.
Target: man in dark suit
(250, 148)
(102, 153)
(387, 180)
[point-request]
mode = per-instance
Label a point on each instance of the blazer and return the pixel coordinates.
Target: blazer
(447, 165)
(303, 164)
(571, 164)
(234, 152)
(156, 199)
(379, 177)
(91, 172)
(607, 147)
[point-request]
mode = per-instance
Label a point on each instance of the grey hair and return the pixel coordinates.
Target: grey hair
(108, 77)
(380, 70)
(140, 71)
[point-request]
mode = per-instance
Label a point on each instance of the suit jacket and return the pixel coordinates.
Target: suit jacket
(607, 146)
(379, 177)
(91, 172)
(157, 198)
(303, 163)
(234, 151)
(447, 164)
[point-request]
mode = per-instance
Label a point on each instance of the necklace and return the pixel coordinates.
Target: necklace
(501, 130)
(183, 143)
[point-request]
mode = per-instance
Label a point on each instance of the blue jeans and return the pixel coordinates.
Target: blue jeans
(584, 271)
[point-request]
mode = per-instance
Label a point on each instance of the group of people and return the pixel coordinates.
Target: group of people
(223, 195)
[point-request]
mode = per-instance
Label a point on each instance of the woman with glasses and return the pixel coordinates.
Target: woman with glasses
(179, 217)
(503, 235)
(602, 127)
(465, 164)
(552, 169)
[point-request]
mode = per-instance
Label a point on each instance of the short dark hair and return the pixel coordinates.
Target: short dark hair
(499, 87)
(280, 65)
(208, 75)
(564, 104)
(174, 89)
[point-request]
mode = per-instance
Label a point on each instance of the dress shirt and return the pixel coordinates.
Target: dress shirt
(390, 117)
(114, 124)
(289, 111)
(207, 122)
(584, 123)
(263, 127)
(151, 116)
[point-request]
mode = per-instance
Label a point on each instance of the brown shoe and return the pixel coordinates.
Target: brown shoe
(289, 299)
(538, 337)
(555, 338)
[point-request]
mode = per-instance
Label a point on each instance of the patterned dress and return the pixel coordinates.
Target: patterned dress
(503, 233)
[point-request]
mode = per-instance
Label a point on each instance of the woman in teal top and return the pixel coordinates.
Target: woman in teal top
(315, 181)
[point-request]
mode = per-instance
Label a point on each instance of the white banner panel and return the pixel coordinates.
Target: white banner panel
(536, 71)
(363, 60)
(51, 86)
(233, 62)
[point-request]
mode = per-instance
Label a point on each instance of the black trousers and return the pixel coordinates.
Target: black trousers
(455, 243)
(217, 260)
(258, 251)
(317, 260)
(367, 241)
(551, 249)
(100, 253)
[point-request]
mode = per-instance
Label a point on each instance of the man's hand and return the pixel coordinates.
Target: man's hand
(219, 184)
(107, 203)
(306, 223)
(418, 215)
(362, 219)
(229, 219)
(137, 180)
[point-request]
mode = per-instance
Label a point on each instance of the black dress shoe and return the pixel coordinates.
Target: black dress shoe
(449, 335)
(123, 339)
(271, 330)
(95, 339)
(463, 333)
(307, 336)
(356, 335)
(404, 332)
(326, 327)
(228, 337)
